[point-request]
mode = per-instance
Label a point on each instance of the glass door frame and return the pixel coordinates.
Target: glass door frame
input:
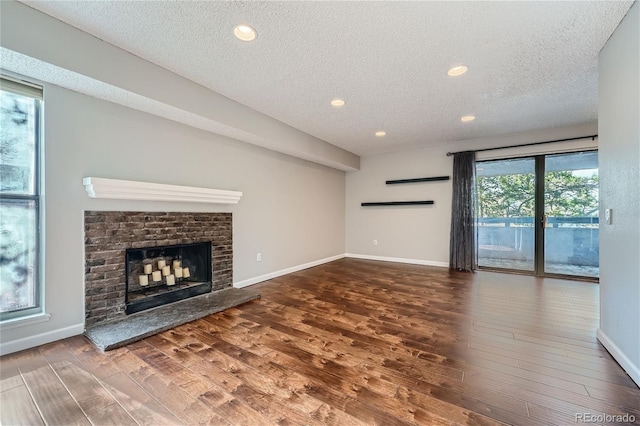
(539, 221)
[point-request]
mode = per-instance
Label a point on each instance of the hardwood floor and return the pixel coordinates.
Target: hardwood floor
(351, 342)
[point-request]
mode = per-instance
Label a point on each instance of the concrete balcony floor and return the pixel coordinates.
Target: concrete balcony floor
(553, 268)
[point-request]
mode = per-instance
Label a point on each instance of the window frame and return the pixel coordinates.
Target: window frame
(35, 91)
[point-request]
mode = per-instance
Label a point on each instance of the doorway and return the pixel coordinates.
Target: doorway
(539, 214)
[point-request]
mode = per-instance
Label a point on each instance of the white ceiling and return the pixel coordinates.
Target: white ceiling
(532, 65)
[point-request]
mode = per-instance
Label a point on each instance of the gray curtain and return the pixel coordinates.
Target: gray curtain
(462, 254)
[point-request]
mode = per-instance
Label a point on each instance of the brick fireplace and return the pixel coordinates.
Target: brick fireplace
(109, 234)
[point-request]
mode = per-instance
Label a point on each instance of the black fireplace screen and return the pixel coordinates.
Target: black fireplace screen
(160, 275)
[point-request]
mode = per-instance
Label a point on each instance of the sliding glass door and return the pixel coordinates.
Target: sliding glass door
(539, 214)
(506, 206)
(571, 244)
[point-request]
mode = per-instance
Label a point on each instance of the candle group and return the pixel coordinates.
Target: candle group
(165, 271)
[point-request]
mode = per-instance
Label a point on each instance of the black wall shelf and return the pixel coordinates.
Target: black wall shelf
(425, 179)
(397, 203)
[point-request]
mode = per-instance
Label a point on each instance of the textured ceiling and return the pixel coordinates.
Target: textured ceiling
(531, 65)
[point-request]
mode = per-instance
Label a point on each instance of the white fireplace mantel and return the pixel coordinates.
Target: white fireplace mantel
(132, 190)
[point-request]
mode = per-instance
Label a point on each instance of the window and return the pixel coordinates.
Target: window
(20, 111)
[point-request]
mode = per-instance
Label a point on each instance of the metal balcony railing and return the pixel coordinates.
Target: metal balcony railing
(552, 221)
(570, 242)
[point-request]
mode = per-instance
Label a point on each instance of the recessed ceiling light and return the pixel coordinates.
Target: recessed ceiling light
(458, 70)
(245, 32)
(338, 102)
(380, 133)
(468, 118)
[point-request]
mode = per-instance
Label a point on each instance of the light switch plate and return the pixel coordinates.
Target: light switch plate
(607, 216)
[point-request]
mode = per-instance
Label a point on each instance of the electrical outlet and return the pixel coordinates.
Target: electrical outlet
(259, 257)
(375, 242)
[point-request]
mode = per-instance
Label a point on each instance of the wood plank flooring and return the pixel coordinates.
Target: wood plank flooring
(352, 342)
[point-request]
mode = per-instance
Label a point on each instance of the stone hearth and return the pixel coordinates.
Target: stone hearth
(117, 333)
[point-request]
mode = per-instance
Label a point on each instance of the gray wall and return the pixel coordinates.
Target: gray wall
(292, 211)
(619, 130)
(420, 234)
(416, 233)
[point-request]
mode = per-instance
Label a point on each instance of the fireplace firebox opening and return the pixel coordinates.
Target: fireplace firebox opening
(156, 276)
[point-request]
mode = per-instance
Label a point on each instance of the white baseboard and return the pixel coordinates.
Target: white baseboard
(627, 365)
(398, 260)
(286, 271)
(40, 339)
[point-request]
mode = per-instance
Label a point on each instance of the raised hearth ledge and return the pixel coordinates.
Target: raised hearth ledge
(114, 334)
(133, 190)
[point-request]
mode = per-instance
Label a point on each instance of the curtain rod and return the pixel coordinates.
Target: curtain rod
(592, 137)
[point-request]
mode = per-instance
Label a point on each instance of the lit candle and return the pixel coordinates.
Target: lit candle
(178, 272)
(185, 273)
(176, 264)
(171, 280)
(156, 276)
(166, 271)
(161, 264)
(147, 269)
(143, 279)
